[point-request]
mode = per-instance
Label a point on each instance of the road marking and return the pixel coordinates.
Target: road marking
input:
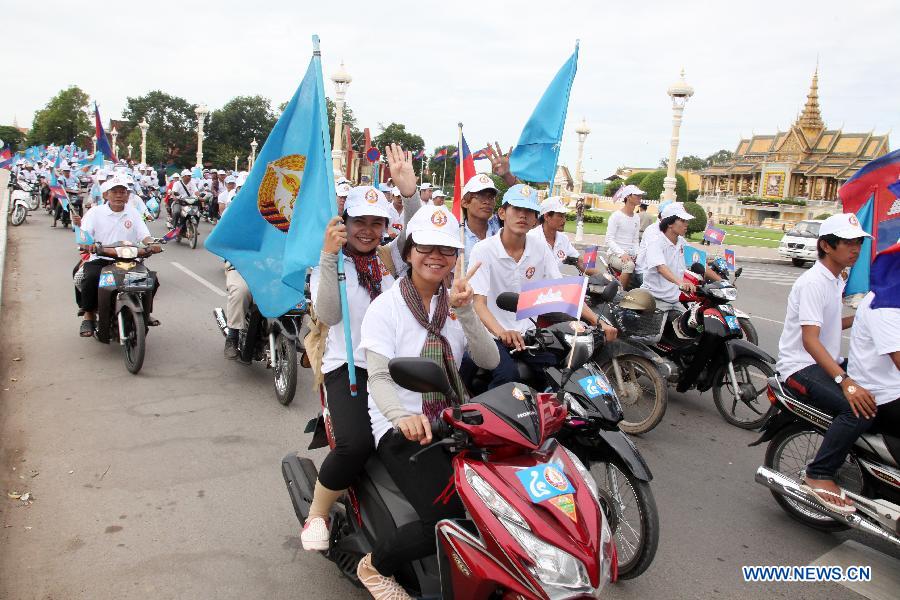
(885, 569)
(190, 273)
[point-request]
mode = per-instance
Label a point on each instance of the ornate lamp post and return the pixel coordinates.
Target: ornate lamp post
(94, 141)
(341, 81)
(253, 146)
(114, 134)
(201, 112)
(130, 148)
(144, 125)
(582, 130)
(680, 91)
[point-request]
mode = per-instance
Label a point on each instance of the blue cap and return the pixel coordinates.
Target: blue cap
(383, 187)
(522, 195)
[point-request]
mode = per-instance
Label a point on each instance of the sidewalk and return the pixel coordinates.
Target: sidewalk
(743, 254)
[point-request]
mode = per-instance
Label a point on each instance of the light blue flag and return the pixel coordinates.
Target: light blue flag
(82, 237)
(287, 185)
(197, 173)
(858, 281)
(535, 156)
(694, 255)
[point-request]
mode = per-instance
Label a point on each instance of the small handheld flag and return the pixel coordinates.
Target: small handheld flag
(82, 237)
(729, 259)
(590, 257)
(714, 235)
(694, 255)
(563, 295)
(171, 234)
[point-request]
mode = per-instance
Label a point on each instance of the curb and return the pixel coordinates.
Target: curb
(4, 209)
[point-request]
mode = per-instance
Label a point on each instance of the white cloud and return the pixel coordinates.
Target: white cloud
(485, 64)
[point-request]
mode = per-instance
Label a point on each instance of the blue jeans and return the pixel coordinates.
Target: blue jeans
(506, 371)
(822, 392)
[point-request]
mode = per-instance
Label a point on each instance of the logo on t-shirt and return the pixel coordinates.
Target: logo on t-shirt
(127, 223)
(560, 254)
(529, 273)
(452, 315)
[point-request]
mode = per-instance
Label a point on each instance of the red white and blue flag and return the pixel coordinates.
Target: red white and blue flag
(440, 155)
(481, 154)
(465, 170)
(565, 295)
(170, 235)
(420, 155)
(729, 259)
(873, 194)
(885, 282)
(589, 258)
(714, 235)
(5, 158)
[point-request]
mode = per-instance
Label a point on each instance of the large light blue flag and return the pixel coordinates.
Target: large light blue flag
(535, 156)
(858, 281)
(287, 190)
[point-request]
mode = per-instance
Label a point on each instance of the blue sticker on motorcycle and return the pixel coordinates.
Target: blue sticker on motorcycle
(544, 482)
(732, 322)
(107, 280)
(594, 386)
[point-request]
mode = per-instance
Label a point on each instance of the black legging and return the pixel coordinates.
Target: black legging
(351, 428)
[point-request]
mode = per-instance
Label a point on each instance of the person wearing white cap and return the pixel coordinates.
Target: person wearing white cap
(478, 200)
(227, 194)
(340, 180)
(551, 231)
(112, 222)
(358, 232)
(425, 192)
(623, 233)
(184, 187)
(809, 355)
(418, 317)
(438, 198)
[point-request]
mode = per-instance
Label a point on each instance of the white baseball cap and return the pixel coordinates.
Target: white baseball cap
(553, 204)
(676, 209)
(478, 183)
(230, 179)
(395, 191)
(844, 225)
(221, 172)
(343, 189)
(116, 181)
(434, 225)
(64, 166)
(186, 172)
(628, 190)
(366, 200)
(341, 180)
(439, 194)
(425, 186)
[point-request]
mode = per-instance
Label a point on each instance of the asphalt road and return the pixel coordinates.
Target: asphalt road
(168, 484)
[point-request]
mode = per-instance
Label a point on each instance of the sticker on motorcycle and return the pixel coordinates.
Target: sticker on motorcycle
(566, 505)
(732, 322)
(107, 280)
(594, 386)
(544, 482)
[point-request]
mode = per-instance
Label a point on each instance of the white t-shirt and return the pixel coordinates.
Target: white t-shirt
(500, 273)
(562, 246)
(225, 198)
(815, 299)
(661, 251)
(396, 222)
(107, 227)
(357, 302)
(390, 329)
(622, 233)
(184, 190)
(875, 334)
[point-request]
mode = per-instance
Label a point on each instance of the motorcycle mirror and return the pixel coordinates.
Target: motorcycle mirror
(698, 269)
(508, 301)
(421, 375)
(738, 272)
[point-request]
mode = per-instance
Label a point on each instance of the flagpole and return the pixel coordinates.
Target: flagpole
(342, 278)
(461, 263)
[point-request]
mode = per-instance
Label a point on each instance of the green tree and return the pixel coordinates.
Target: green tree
(155, 151)
(12, 137)
(395, 133)
(233, 127)
(822, 217)
(636, 178)
(719, 157)
(653, 185)
(693, 195)
(612, 187)
(698, 223)
(63, 120)
(172, 124)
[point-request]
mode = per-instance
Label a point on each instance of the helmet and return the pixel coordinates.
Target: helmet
(720, 267)
(638, 299)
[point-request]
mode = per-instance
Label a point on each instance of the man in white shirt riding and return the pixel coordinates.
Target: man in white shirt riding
(623, 233)
(551, 231)
(185, 187)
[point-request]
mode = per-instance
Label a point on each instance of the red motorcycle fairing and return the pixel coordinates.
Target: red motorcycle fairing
(574, 526)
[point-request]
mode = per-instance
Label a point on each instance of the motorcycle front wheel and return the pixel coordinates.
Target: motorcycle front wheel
(192, 233)
(642, 395)
(18, 215)
(751, 408)
(637, 532)
(34, 202)
(748, 330)
(135, 340)
(285, 369)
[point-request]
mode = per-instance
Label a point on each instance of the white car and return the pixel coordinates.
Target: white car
(799, 244)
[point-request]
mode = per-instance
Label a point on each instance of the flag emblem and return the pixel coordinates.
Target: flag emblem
(529, 273)
(279, 188)
(372, 196)
(438, 218)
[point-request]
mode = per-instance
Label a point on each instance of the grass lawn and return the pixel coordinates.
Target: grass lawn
(592, 228)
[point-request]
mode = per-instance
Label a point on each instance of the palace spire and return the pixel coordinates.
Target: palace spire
(810, 120)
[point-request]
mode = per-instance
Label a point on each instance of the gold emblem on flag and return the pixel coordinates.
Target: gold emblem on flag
(279, 189)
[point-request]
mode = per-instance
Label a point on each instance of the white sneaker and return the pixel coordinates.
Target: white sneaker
(315, 534)
(381, 587)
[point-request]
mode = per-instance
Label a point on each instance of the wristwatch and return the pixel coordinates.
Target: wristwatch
(839, 379)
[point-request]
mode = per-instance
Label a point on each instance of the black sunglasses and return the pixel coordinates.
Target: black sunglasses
(443, 250)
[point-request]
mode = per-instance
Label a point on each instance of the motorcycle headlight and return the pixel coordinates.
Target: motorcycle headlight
(127, 252)
(724, 293)
(561, 574)
(494, 501)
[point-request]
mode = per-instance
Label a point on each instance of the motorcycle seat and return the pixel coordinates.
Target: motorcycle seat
(381, 483)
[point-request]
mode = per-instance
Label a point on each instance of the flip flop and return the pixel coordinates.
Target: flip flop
(821, 497)
(87, 329)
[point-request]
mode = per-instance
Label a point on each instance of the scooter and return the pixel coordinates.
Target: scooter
(534, 527)
(870, 476)
(720, 267)
(21, 195)
(188, 226)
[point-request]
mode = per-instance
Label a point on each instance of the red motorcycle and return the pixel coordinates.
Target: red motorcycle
(534, 526)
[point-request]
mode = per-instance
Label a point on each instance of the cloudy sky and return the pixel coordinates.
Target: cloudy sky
(485, 64)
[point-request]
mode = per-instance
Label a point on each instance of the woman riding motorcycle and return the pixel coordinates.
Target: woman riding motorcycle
(419, 316)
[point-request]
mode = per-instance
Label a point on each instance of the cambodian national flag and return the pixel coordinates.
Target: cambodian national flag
(481, 154)
(171, 234)
(872, 193)
(102, 142)
(729, 259)
(5, 159)
(465, 170)
(714, 235)
(885, 282)
(564, 295)
(441, 155)
(420, 155)
(589, 258)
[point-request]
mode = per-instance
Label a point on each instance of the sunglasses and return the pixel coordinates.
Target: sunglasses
(443, 250)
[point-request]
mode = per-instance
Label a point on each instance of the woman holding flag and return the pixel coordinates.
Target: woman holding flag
(358, 232)
(419, 316)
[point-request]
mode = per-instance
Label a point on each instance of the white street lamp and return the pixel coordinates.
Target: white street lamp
(94, 141)
(253, 146)
(129, 150)
(679, 91)
(144, 125)
(201, 112)
(235, 162)
(341, 81)
(582, 130)
(114, 134)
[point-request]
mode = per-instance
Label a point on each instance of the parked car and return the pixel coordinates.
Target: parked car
(799, 244)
